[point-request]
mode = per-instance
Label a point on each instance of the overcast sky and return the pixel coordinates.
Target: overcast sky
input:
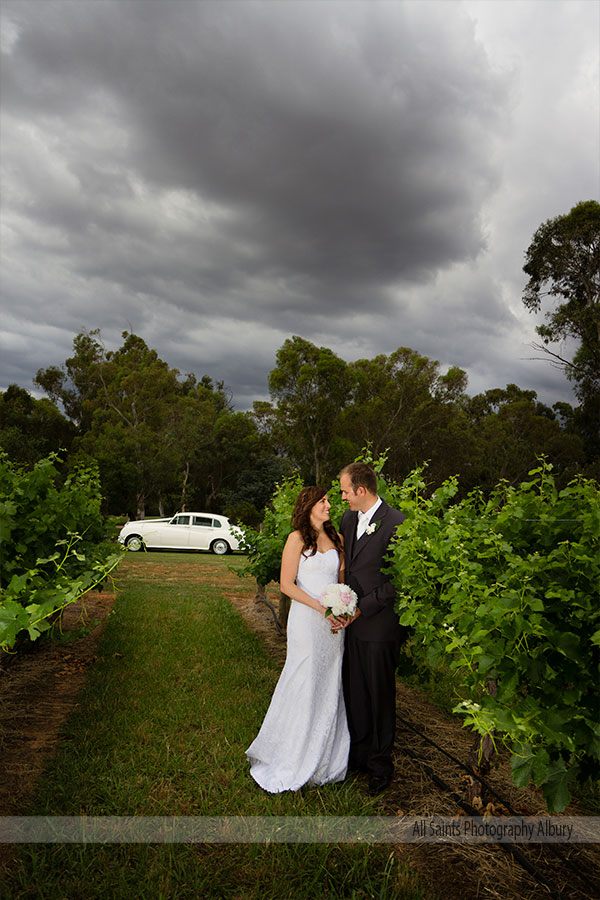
(219, 176)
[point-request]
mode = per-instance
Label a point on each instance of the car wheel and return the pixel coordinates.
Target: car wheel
(134, 542)
(220, 547)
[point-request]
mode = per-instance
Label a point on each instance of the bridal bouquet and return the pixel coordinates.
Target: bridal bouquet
(339, 600)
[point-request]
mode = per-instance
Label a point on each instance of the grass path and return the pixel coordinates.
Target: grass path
(177, 694)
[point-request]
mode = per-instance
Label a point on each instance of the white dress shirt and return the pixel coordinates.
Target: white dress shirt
(364, 518)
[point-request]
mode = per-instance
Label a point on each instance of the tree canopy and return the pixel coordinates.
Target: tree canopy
(563, 261)
(30, 429)
(324, 411)
(165, 442)
(310, 386)
(162, 442)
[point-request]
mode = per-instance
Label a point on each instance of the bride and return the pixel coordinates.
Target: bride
(304, 738)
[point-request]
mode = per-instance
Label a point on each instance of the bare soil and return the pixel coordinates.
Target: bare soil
(40, 687)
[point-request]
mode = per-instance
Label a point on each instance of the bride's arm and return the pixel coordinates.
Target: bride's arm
(290, 561)
(342, 568)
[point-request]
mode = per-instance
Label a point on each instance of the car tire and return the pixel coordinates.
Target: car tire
(220, 547)
(134, 542)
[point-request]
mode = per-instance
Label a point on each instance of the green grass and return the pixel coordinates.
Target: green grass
(177, 694)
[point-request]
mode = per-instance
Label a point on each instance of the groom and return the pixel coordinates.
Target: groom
(374, 635)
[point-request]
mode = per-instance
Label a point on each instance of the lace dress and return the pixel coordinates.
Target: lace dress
(304, 738)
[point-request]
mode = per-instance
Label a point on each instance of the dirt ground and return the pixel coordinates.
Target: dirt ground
(38, 690)
(40, 687)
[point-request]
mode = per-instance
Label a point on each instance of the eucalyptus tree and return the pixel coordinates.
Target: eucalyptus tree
(30, 429)
(163, 442)
(310, 387)
(513, 430)
(75, 385)
(128, 430)
(403, 405)
(563, 262)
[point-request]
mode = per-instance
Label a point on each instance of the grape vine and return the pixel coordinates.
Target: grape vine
(52, 546)
(505, 590)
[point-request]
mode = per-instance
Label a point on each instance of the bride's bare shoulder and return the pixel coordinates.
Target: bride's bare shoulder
(295, 539)
(293, 548)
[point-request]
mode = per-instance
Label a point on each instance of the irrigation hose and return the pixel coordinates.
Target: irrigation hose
(551, 847)
(470, 810)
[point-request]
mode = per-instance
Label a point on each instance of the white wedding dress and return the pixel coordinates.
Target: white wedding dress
(304, 738)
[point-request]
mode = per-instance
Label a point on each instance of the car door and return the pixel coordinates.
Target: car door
(201, 532)
(176, 533)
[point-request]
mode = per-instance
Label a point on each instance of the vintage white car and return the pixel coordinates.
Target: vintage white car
(185, 531)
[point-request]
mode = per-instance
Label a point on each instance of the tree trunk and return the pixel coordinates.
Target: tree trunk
(186, 475)
(141, 505)
(212, 494)
(480, 758)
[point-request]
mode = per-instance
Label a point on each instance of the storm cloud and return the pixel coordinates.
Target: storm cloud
(219, 176)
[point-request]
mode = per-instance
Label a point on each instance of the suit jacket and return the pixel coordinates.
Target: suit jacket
(364, 560)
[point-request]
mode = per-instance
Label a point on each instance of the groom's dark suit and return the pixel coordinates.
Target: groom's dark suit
(372, 644)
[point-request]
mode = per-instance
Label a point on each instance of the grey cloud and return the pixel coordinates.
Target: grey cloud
(346, 159)
(241, 172)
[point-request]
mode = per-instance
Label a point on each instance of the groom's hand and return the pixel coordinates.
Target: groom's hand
(352, 619)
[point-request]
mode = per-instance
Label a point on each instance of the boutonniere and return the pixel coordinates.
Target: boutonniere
(372, 528)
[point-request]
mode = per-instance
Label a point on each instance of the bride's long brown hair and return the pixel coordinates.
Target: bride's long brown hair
(307, 498)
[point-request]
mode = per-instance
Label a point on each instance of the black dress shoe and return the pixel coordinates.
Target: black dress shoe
(377, 784)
